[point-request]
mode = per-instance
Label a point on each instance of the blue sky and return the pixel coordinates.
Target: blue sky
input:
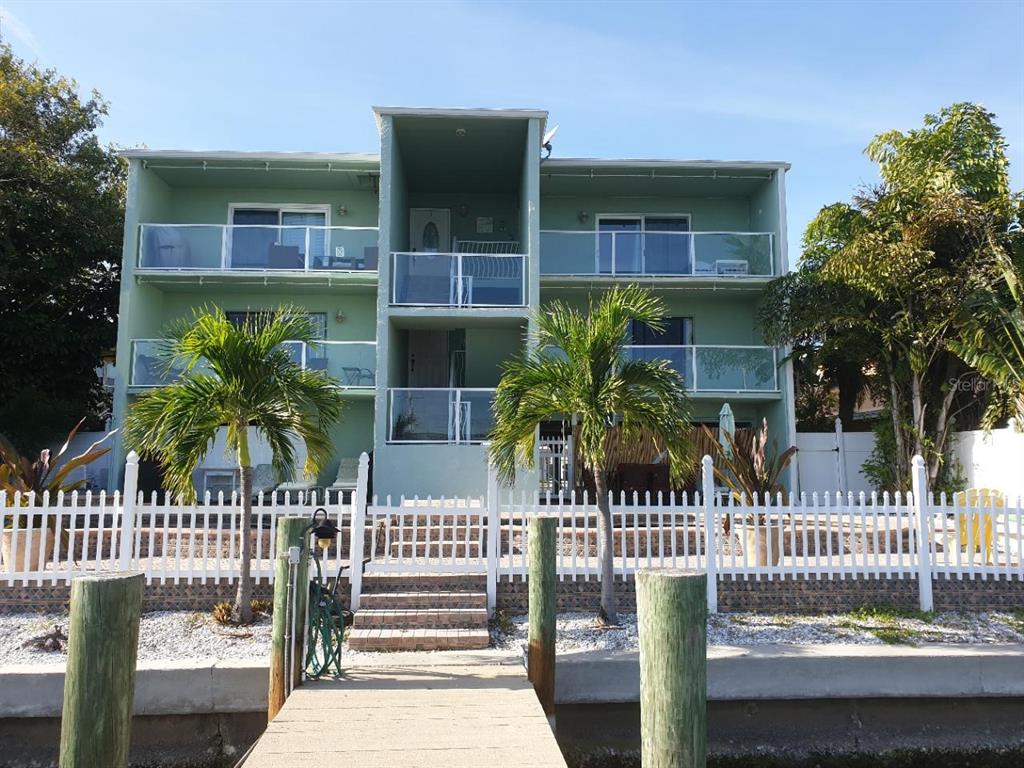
(807, 82)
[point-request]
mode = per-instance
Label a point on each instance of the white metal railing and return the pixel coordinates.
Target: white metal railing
(657, 254)
(556, 465)
(830, 536)
(352, 363)
(716, 368)
(458, 279)
(256, 247)
(439, 415)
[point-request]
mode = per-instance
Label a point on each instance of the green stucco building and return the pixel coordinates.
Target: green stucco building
(421, 267)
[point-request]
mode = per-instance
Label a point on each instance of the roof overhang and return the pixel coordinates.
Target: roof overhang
(357, 158)
(462, 113)
(593, 162)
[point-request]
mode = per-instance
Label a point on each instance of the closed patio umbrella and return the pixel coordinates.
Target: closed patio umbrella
(726, 425)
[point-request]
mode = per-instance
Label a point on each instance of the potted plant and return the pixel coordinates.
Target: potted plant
(751, 473)
(33, 479)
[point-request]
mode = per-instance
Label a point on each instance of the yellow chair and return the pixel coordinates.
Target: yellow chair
(970, 501)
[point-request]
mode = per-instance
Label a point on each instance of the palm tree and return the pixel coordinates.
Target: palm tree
(577, 366)
(238, 377)
(992, 342)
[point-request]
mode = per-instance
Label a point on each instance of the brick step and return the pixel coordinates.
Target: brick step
(398, 618)
(409, 600)
(376, 639)
(424, 582)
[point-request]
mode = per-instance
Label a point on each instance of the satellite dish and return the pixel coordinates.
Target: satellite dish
(546, 144)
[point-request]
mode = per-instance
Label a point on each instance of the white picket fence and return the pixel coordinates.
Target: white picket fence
(811, 536)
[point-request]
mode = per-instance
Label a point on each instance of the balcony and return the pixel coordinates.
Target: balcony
(462, 280)
(716, 369)
(247, 248)
(451, 416)
(732, 255)
(353, 364)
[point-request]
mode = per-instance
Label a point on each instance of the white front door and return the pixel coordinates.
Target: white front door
(430, 230)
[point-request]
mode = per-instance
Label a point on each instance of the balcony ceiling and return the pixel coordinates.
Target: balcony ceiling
(488, 158)
(649, 180)
(336, 173)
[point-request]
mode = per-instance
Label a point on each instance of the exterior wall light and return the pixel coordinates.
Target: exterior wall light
(583, 216)
(342, 210)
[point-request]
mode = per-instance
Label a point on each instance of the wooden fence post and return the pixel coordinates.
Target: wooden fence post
(493, 537)
(129, 498)
(543, 582)
(287, 645)
(922, 529)
(672, 625)
(99, 680)
(357, 533)
(710, 532)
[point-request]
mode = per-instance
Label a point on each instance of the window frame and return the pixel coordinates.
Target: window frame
(599, 217)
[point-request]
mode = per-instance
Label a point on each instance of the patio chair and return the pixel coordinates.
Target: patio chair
(304, 488)
(347, 479)
(263, 481)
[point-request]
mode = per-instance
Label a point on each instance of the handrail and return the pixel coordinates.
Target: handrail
(462, 287)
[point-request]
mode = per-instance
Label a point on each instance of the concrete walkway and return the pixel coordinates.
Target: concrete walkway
(449, 713)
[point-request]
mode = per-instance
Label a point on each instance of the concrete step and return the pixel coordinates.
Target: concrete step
(410, 600)
(445, 549)
(378, 639)
(399, 618)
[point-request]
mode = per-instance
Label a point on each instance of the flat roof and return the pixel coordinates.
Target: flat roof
(603, 162)
(366, 158)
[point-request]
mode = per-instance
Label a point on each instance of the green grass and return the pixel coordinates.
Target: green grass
(1015, 621)
(884, 622)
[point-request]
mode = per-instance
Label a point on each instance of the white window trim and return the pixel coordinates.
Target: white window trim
(324, 208)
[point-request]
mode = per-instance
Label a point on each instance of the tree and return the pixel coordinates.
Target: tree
(61, 222)
(237, 377)
(992, 341)
(883, 280)
(577, 366)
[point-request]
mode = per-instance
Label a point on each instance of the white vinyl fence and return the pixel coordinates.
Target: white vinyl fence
(821, 537)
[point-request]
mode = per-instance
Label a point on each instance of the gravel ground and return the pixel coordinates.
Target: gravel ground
(182, 635)
(577, 631)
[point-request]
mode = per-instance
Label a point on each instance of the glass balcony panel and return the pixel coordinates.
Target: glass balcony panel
(492, 281)
(150, 367)
(433, 279)
(735, 369)
(570, 253)
(174, 246)
(257, 247)
(351, 363)
(440, 415)
(655, 253)
(667, 253)
(735, 254)
(679, 358)
(425, 279)
(477, 420)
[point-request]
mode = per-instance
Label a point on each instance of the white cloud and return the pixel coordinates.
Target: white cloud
(13, 28)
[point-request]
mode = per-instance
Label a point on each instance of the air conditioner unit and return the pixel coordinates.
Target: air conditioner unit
(732, 267)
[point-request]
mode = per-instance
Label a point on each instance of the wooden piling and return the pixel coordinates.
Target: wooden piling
(290, 533)
(542, 585)
(99, 680)
(672, 624)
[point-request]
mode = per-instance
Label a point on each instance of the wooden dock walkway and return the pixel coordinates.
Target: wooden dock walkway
(412, 716)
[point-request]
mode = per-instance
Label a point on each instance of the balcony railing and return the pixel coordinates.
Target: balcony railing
(230, 248)
(717, 368)
(456, 416)
(657, 254)
(458, 279)
(352, 363)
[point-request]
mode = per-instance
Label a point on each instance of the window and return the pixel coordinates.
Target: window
(276, 237)
(678, 331)
(649, 245)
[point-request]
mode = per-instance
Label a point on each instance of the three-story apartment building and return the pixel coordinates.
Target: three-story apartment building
(421, 267)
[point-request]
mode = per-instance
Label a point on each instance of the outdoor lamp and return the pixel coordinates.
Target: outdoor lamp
(324, 531)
